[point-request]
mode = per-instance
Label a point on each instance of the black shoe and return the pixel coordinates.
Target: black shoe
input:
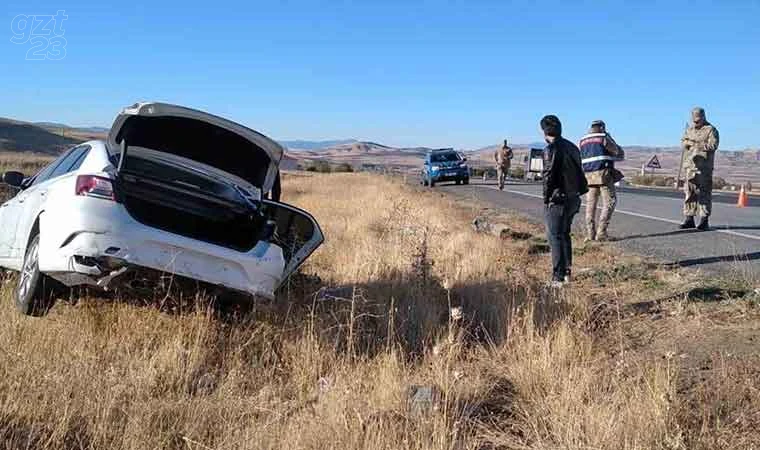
(688, 224)
(704, 224)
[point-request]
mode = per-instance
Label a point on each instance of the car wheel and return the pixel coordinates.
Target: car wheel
(431, 183)
(458, 182)
(32, 294)
(466, 181)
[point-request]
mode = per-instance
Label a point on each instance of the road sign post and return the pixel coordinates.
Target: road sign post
(652, 164)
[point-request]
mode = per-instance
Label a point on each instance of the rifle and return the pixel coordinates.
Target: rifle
(679, 182)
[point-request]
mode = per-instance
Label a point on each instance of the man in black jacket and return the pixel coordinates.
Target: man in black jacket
(564, 183)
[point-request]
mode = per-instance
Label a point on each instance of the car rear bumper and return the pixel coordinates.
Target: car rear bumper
(450, 175)
(92, 243)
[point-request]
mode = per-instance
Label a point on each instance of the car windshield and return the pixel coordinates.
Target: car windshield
(444, 157)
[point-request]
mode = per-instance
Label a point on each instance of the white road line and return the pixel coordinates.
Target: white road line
(643, 216)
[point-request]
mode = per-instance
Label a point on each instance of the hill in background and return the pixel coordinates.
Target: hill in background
(315, 145)
(43, 137)
(25, 137)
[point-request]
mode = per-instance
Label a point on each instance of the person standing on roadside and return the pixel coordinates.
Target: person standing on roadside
(503, 157)
(598, 155)
(564, 183)
(700, 141)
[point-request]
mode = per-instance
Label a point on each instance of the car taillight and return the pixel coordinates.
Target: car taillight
(92, 186)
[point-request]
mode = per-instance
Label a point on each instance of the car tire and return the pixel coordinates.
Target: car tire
(458, 182)
(466, 181)
(431, 183)
(33, 293)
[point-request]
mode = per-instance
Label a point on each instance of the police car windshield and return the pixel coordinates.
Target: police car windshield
(444, 157)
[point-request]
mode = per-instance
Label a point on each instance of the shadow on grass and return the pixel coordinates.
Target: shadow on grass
(409, 310)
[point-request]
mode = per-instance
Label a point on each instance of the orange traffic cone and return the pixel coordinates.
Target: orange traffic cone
(742, 198)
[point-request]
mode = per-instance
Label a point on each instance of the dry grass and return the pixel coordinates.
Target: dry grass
(329, 364)
(27, 163)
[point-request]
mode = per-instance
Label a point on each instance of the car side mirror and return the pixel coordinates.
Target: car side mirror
(15, 179)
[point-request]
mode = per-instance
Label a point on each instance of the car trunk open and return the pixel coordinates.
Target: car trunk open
(200, 176)
(163, 194)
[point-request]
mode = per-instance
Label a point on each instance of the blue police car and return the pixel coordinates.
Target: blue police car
(445, 165)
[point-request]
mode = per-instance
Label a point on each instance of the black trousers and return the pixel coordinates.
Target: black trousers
(559, 221)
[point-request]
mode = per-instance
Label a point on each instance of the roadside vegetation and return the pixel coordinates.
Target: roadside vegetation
(27, 163)
(514, 172)
(322, 166)
(407, 329)
(669, 181)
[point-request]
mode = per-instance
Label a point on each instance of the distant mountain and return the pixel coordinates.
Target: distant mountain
(50, 125)
(86, 133)
(316, 145)
(56, 125)
(18, 136)
(93, 129)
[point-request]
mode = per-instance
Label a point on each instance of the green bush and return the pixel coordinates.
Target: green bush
(343, 167)
(319, 166)
(517, 172)
(650, 180)
(719, 183)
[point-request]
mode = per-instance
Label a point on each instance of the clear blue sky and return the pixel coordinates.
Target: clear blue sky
(463, 74)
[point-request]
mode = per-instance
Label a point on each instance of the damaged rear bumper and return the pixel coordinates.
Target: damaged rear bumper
(96, 249)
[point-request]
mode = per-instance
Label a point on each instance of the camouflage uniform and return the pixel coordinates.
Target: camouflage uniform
(503, 157)
(700, 141)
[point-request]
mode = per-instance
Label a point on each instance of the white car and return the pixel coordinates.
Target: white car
(172, 189)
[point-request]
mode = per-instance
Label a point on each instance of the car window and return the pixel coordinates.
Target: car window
(44, 174)
(67, 163)
(444, 157)
(78, 162)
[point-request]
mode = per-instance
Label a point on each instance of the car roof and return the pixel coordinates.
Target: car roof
(442, 150)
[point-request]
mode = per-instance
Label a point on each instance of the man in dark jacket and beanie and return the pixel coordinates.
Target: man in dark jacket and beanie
(564, 183)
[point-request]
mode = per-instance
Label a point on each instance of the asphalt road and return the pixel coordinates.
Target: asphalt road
(646, 223)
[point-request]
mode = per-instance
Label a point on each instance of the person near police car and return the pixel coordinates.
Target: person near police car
(599, 151)
(503, 157)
